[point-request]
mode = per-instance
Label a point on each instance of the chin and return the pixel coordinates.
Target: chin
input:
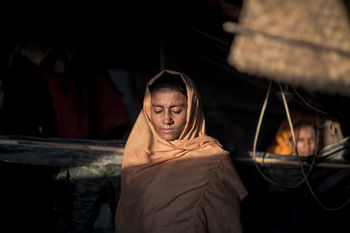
(168, 137)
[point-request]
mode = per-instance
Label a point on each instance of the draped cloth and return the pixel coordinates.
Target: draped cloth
(185, 185)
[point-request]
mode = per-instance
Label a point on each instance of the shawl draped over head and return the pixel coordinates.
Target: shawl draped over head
(185, 185)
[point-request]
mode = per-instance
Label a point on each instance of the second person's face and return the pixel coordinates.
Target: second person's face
(305, 138)
(168, 113)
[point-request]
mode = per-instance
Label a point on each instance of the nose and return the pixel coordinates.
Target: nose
(167, 120)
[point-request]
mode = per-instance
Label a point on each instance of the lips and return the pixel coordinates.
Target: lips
(167, 130)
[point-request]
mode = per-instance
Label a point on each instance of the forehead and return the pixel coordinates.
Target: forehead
(306, 130)
(167, 95)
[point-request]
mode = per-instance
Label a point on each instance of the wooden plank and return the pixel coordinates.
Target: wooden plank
(60, 152)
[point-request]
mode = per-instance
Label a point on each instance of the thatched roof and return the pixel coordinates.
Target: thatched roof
(300, 42)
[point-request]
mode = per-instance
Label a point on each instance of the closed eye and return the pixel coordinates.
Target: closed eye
(176, 109)
(157, 109)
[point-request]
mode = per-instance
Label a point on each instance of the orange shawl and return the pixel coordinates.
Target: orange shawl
(185, 185)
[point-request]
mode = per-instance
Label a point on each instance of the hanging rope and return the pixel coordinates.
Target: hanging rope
(307, 104)
(300, 162)
(305, 176)
(256, 140)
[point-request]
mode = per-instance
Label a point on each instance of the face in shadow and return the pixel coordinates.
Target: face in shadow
(168, 113)
(305, 139)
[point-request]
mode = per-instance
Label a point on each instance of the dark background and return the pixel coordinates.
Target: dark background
(143, 37)
(140, 38)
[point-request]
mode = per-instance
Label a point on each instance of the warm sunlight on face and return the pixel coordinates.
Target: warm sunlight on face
(168, 113)
(305, 138)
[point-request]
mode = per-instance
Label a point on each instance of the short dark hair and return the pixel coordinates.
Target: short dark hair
(304, 123)
(171, 81)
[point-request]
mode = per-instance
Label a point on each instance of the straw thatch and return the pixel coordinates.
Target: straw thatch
(301, 42)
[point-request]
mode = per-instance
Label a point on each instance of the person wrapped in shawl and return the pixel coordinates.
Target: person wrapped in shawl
(175, 178)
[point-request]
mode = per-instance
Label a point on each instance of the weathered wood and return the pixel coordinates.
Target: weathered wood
(336, 156)
(59, 152)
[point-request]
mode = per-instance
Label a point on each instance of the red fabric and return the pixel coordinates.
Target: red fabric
(87, 106)
(111, 110)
